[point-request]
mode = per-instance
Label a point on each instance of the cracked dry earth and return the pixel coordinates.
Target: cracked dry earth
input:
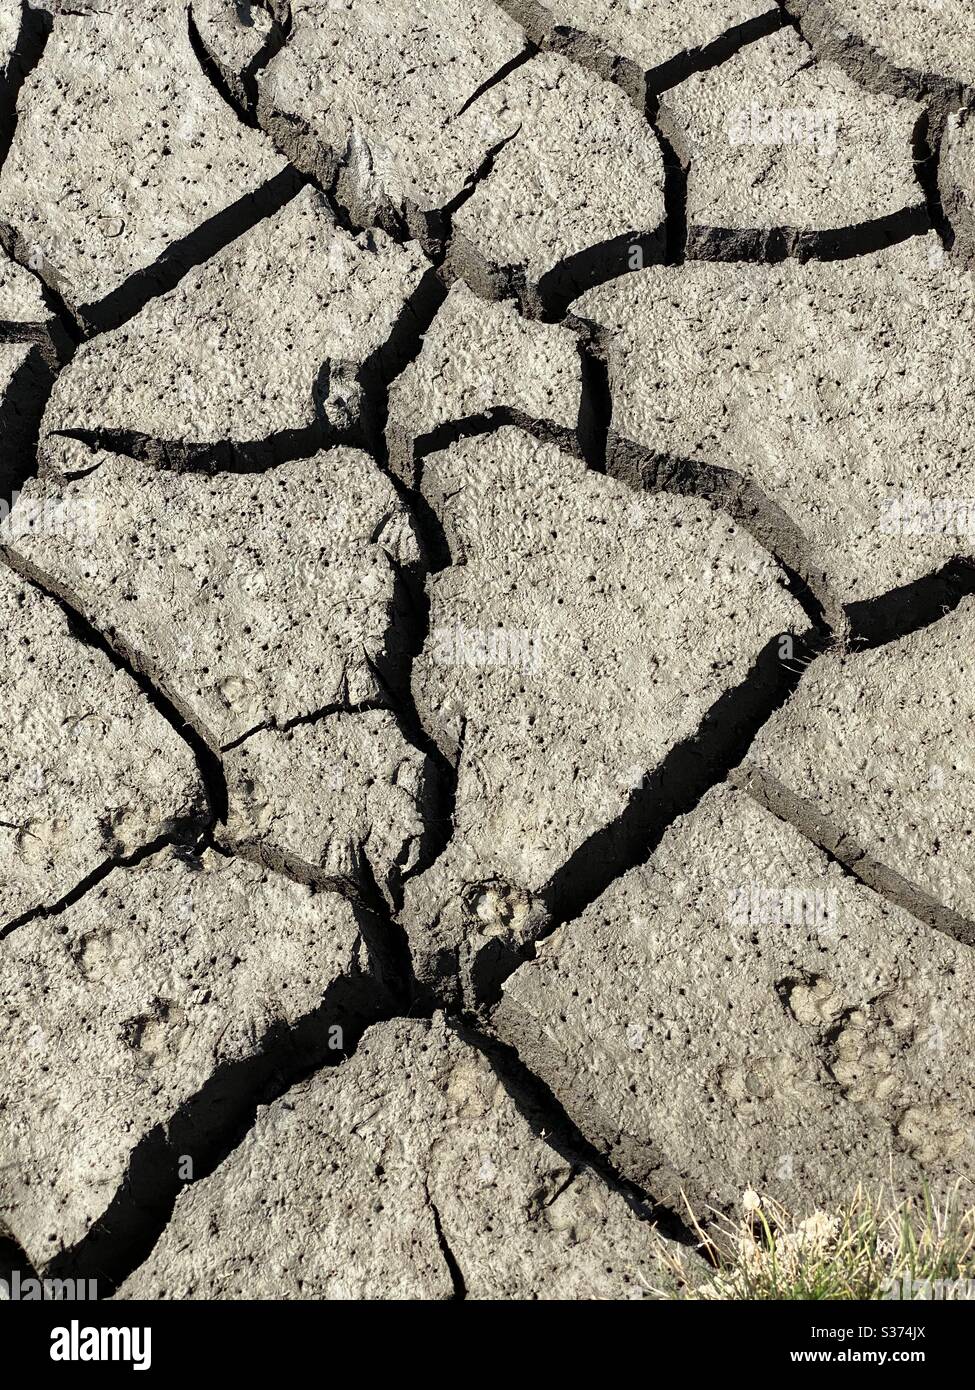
(488, 695)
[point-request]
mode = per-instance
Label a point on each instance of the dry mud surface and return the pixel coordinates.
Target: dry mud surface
(489, 646)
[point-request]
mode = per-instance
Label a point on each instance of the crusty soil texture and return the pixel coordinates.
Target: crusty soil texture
(489, 644)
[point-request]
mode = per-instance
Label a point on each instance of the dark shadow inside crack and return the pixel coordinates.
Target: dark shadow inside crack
(282, 23)
(711, 55)
(929, 147)
(833, 41)
(586, 270)
(64, 330)
(240, 90)
(547, 33)
(450, 1259)
(901, 612)
(501, 75)
(388, 944)
(180, 836)
(385, 937)
(676, 165)
(402, 346)
(220, 456)
(700, 760)
(244, 456)
(412, 605)
(22, 408)
(595, 407)
(293, 138)
(499, 417)
(215, 74)
(687, 773)
(14, 1264)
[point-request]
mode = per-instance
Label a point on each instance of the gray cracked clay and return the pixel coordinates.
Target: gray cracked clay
(264, 340)
(157, 991)
(336, 802)
(96, 186)
(904, 46)
(741, 1013)
(238, 35)
(465, 796)
(372, 95)
(877, 744)
(628, 40)
(483, 360)
(251, 600)
(772, 139)
(355, 1184)
(524, 158)
(91, 771)
(22, 305)
(580, 168)
(783, 374)
(578, 636)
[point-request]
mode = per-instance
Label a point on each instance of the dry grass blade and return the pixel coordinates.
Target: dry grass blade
(871, 1248)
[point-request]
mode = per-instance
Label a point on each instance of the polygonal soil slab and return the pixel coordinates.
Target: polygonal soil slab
(90, 770)
(372, 94)
(740, 1013)
(631, 40)
(878, 746)
(775, 140)
(583, 168)
(145, 1020)
(121, 151)
(335, 802)
(262, 346)
(784, 374)
(908, 47)
(368, 1180)
(578, 636)
(482, 362)
(252, 600)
